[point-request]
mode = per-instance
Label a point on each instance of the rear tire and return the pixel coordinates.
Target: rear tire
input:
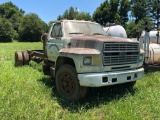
(67, 83)
(18, 58)
(25, 58)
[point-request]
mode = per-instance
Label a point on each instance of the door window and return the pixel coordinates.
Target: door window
(56, 30)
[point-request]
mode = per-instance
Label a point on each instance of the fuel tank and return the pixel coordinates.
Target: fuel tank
(153, 37)
(154, 47)
(154, 53)
(116, 31)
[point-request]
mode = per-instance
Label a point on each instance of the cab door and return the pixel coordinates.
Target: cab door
(54, 43)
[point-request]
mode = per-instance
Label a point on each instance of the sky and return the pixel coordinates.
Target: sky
(48, 10)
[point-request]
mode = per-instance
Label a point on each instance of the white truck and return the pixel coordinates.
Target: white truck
(79, 54)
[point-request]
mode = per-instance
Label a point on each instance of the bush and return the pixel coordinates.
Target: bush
(31, 28)
(7, 33)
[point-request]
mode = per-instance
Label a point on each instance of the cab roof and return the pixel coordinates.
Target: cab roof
(57, 21)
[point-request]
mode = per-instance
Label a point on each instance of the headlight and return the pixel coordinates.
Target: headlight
(87, 61)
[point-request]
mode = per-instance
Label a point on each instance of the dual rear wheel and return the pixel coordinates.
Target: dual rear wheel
(21, 58)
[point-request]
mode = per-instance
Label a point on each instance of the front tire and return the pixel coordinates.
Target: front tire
(67, 83)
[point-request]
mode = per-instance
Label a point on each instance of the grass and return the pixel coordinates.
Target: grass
(27, 94)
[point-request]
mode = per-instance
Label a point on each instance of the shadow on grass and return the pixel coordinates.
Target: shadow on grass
(94, 98)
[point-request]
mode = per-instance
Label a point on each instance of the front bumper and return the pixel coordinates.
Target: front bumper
(109, 78)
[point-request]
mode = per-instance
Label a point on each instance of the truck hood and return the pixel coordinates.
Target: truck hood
(96, 41)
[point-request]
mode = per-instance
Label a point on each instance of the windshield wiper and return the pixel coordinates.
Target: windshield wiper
(76, 33)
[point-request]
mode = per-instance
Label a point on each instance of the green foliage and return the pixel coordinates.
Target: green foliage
(10, 16)
(66, 15)
(134, 29)
(73, 13)
(11, 12)
(50, 24)
(140, 9)
(117, 11)
(123, 11)
(154, 8)
(59, 17)
(117, 19)
(102, 13)
(31, 28)
(7, 33)
(113, 11)
(83, 16)
(27, 94)
(131, 29)
(69, 14)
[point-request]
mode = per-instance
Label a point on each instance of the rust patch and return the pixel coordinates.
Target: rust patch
(94, 41)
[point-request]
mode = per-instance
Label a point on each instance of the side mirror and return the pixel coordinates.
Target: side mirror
(44, 37)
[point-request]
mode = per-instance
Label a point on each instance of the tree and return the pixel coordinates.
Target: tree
(7, 33)
(143, 12)
(102, 13)
(123, 11)
(140, 9)
(31, 28)
(50, 24)
(114, 10)
(83, 16)
(134, 29)
(154, 7)
(73, 13)
(131, 29)
(117, 19)
(66, 15)
(60, 17)
(11, 12)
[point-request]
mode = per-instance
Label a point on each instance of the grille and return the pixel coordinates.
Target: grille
(120, 53)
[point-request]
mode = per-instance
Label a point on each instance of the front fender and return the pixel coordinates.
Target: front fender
(78, 54)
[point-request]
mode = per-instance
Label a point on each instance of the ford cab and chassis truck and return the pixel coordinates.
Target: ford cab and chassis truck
(79, 54)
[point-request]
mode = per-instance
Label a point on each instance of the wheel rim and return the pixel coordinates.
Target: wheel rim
(67, 83)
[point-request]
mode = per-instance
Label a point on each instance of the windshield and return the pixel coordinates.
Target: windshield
(78, 28)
